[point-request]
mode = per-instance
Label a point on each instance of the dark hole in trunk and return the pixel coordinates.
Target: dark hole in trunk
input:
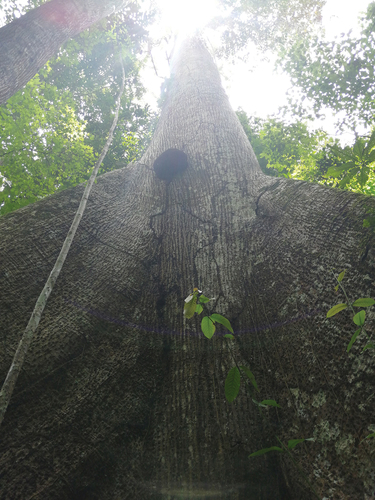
(169, 164)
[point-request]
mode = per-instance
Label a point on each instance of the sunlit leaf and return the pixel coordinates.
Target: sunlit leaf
(336, 309)
(364, 302)
(189, 307)
(341, 276)
(337, 171)
(229, 336)
(203, 299)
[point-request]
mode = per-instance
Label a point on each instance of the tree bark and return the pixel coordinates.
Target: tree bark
(28, 42)
(120, 396)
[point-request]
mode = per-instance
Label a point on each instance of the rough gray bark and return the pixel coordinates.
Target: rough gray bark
(120, 398)
(27, 43)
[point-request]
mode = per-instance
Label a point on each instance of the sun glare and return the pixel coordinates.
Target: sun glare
(187, 17)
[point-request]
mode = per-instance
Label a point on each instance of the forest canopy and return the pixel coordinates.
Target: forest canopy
(53, 130)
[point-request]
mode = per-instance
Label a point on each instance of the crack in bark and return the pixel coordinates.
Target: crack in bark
(263, 191)
(160, 238)
(117, 249)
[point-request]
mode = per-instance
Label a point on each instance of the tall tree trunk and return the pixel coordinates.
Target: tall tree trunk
(28, 42)
(123, 398)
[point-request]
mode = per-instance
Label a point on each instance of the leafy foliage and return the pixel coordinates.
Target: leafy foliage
(196, 302)
(42, 145)
(268, 24)
(53, 130)
(338, 74)
(287, 149)
(291, 150)
(354, 167)
(358, 318)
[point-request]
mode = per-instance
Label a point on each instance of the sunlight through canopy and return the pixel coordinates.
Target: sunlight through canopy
(185, 18)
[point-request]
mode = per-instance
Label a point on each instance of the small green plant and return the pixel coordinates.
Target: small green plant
(195, 303)
(358, 318)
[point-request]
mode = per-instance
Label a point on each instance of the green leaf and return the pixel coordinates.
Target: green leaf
(345, 181)
(336, 287)
(371, 142)
(368, 346)
(341, 276)
(364, 302)
(229, 336)
(337, 171)
(359, 147)
(266, 450)
(336, 309)
(371, 157)
(363, 176)
(232, 384)
(189, 307)
(370, 436)
(352, 340)
(250, 376)
(199, 309)
(203, 299)
(292, 443)
(359, 318)
(270, 402)
(208, 328)
(223, 321)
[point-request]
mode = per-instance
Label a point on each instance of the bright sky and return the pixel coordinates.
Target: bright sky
(258, 91)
